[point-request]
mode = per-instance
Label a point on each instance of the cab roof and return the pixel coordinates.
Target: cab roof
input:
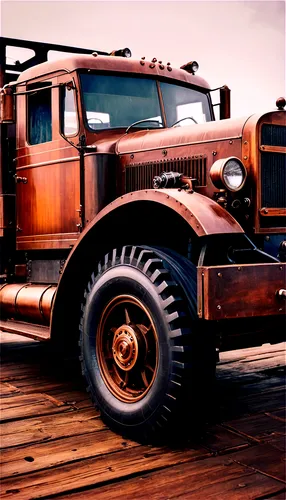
(112, 64)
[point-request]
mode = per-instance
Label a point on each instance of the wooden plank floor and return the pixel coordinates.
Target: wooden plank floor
(54, 444)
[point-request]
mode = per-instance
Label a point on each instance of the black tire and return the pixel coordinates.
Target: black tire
(155, 284)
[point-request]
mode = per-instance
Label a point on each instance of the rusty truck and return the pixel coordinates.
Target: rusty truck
(138, 228)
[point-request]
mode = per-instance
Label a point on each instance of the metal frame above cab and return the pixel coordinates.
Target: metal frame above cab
(41, 50)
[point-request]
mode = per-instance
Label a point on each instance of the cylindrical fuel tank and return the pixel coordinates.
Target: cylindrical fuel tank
(27, 302)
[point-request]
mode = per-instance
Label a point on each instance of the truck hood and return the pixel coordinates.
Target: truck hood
(146, 140)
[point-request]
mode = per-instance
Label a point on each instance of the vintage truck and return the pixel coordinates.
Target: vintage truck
(136, 227)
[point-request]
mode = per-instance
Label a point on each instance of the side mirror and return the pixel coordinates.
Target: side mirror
(224, 93)
(6, 105)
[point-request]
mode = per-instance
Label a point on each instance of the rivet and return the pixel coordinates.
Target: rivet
(218, 307)
(267, 238)
(214, 153)
(245, 157)
(245, 142)
(280, 267)
(160, 62)
(169, 68)
(164, 152)
(143, 58)
(152, 66)
(132, 156)
(168, 63)
(154, 59)
(219, 275)
(142, 63)
(239, 268)
(230, 142)
(161, 66)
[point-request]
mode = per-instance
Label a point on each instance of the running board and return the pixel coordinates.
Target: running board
(36, 332)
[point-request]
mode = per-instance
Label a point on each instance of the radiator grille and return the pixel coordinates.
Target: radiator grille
(273, 135)
(140, 175)
(273, 180)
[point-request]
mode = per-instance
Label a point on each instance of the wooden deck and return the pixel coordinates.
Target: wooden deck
(54, 444)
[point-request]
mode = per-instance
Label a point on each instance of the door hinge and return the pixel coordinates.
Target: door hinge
(79, 210)
(18, 179)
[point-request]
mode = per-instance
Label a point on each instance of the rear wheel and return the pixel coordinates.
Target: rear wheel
(147, 365)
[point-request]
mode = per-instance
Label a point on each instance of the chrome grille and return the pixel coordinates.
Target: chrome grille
(140, 175)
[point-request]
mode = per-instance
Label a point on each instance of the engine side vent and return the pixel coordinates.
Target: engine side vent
(140, 175)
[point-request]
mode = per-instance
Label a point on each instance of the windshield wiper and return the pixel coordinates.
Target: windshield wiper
(186, 118)
(142, 121)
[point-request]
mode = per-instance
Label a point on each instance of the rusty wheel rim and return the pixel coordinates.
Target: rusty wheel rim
(127, 348)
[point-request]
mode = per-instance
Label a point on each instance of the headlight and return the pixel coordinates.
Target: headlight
(229, 173)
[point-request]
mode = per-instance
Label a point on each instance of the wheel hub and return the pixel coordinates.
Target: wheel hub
(125, 347)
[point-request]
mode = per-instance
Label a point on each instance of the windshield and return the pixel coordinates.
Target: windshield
(184, 105)
(118, 101)
(115, 101)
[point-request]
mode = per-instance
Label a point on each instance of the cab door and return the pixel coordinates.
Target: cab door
(47, 169)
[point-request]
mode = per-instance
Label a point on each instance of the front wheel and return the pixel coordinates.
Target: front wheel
(139, 340)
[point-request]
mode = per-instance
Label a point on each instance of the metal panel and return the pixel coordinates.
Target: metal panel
(240, 291)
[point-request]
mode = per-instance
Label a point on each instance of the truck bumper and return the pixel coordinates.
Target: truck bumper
(241, 291)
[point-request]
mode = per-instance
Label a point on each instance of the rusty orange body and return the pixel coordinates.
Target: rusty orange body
(75, 197)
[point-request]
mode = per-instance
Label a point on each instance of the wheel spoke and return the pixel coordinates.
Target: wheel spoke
(120, 380)
(144, 329)
(127, 318)
(126, 378)
(148, 367)
(144, 378)
(149, 328)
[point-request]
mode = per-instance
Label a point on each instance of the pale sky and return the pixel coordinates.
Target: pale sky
(238, 43)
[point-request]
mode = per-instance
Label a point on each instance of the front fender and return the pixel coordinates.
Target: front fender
(203, 215)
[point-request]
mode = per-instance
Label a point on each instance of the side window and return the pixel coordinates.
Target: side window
(39, 113)
(69, 112)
